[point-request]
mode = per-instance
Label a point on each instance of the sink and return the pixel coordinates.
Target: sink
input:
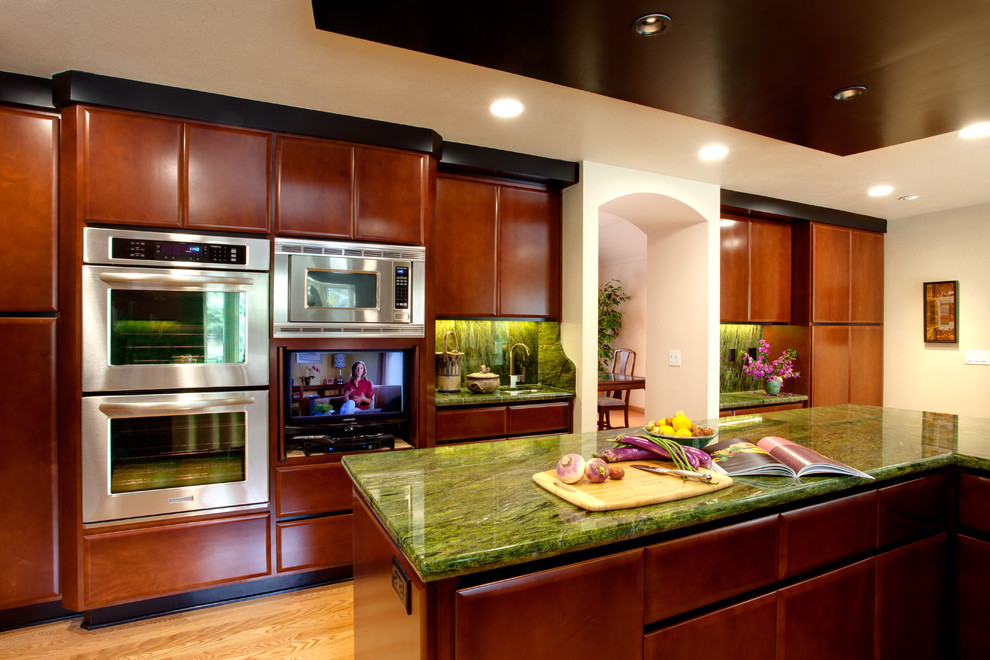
(521, 389)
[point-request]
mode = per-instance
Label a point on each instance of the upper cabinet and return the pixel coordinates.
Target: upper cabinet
(138, 169)
(496, 249)
(842, 281)
(28, 196)
(328, 189)
(755, 271)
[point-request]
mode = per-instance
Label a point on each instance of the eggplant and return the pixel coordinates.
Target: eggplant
(625, 453)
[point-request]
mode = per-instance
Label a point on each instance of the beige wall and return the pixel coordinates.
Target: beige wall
(950, 245)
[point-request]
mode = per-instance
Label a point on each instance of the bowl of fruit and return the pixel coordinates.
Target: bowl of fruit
(680, 428)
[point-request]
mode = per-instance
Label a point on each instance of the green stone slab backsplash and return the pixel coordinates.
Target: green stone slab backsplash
(741, 338)
(487, 343)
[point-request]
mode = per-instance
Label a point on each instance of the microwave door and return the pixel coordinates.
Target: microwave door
(340, 290)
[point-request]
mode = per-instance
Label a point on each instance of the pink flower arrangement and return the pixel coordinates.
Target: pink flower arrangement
(780, 369)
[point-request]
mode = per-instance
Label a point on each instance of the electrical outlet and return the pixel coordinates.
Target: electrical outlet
(978, 357)
(674, 358)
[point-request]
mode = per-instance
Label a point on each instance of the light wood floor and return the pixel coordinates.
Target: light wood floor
(310, 623)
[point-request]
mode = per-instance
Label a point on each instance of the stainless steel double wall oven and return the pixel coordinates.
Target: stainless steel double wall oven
(175, 373)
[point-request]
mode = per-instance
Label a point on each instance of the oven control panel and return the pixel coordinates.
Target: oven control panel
(156, 250)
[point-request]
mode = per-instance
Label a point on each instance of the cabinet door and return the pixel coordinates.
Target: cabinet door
(830, 616)
(470, 423)
(734, 270)
(315, 543)
(865, 365)
(769, 272)
(314, 188)
(28, 197)
(463, 248)
(972, 582)
(517, 617)
(745, 631)
(311, 489)
(228, 178)
(28, 566)
(390, 195)
(830, 274)
(528, 253)
(539, 418)
(830, 365)
(867, 277)
(132, 166)
(911, 586)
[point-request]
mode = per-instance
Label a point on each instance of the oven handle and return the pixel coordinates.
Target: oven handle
(125, 278)
(144, 408)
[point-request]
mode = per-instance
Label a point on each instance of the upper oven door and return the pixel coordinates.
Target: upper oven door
(154, 329)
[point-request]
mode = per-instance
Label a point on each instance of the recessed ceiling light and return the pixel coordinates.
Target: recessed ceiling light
(506, 108)
(880, 191)
(651, 24)
(847, 93)
(713, 152)
(908, 198)
(976, 130)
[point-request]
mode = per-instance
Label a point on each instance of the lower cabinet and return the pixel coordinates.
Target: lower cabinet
(912, 584)
(497, 422)
(744, 631)
(313, 544)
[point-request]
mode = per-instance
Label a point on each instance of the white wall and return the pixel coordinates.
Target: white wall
(622, 257)
(950, 245)
(682, 277)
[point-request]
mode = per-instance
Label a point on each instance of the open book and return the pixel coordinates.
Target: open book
(773, 457)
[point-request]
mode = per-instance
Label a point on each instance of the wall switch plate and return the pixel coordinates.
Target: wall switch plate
(674, 358)
(978, 357)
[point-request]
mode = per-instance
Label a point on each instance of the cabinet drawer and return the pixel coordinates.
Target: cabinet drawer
(819, 535)
(745, 631)
(673, 587)
(453, 425)
(314, 543)
(912, 509)
(311, 489)
(974, 503)
(539, 418)
(135, 564)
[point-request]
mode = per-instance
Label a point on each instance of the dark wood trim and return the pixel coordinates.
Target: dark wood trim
(72, 87)
(30, 91)
(466, 158)
(749, 205)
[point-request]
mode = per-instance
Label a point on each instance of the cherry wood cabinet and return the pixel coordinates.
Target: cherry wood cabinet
(746, 631)
(329, 189)
(137, 169)
(29, 451)
(505, 240)
(847, 364)
(497, 421)
(29, 199)
(912, 585)
(755, 271)
(972, 583)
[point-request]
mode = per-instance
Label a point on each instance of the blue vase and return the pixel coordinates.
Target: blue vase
(772, 386)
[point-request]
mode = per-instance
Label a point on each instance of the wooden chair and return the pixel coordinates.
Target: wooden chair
(623, 362)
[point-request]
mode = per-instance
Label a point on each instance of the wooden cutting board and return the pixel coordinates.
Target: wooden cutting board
(636, 488)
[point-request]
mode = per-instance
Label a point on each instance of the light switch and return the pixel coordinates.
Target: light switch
(674, 358)
(978, 357)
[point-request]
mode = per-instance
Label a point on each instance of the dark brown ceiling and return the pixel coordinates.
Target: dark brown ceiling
(763, 66)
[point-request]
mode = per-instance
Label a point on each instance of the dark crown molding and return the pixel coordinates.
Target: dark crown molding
(745, 203)
(467, 158)
(18, 89)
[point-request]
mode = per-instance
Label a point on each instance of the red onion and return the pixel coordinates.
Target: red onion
(596, 470)
(570, 468)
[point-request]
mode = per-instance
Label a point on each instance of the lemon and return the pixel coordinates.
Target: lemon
(683, 432)
(681, 421)
(666, 430)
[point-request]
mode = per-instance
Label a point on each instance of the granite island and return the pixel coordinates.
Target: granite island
(457, 553)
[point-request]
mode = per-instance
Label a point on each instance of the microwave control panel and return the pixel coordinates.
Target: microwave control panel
(155, 250)
(402, 287)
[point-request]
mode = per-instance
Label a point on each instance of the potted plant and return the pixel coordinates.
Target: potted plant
(773, 374)
(610, 296)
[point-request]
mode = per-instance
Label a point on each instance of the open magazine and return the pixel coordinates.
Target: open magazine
(773, 457)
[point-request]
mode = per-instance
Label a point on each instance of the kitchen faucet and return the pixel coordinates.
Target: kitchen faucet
(512, 377)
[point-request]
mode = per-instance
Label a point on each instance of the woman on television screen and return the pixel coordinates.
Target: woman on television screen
(357, 390)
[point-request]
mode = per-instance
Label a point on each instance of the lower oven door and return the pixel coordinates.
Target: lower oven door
(154, 454)
(157, 328)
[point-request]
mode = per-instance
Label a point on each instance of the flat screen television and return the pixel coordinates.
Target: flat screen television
(315, 387)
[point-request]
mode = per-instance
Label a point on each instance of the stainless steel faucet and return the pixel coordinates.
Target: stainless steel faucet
(512, 369)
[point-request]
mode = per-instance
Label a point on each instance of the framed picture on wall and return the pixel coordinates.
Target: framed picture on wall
(941, 304)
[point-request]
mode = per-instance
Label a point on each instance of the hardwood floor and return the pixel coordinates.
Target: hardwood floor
(309, 623)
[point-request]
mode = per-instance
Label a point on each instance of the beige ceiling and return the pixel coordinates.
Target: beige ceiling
(269, 50)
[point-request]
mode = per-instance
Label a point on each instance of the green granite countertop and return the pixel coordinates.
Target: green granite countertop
(732, 400)
(527, 393)
(462, 509)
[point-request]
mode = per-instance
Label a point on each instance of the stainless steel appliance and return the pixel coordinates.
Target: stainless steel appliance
(153, 454)
(338, 289)
(173, 311)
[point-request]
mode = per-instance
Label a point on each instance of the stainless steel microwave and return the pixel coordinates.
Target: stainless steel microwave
(343, 289)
